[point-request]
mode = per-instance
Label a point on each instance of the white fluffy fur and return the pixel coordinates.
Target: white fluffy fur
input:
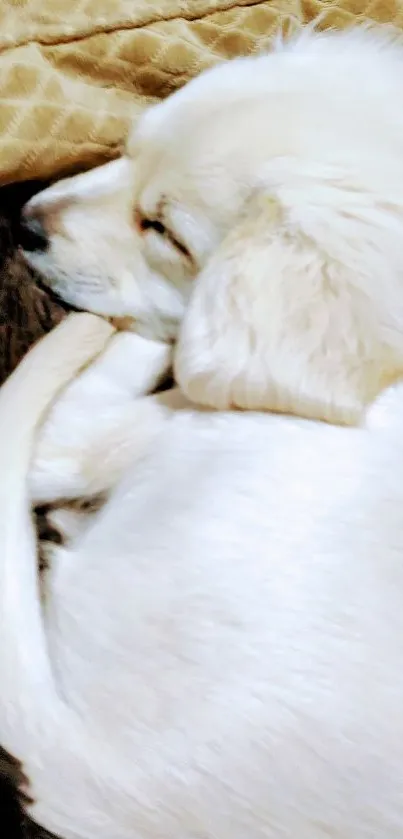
(222, 649)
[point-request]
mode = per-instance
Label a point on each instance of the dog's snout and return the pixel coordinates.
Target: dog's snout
(33, 235)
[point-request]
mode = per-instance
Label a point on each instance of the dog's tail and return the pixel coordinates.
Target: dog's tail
(28, 689)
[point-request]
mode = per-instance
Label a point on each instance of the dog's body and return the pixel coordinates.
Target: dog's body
(222, 649)
(227, 634)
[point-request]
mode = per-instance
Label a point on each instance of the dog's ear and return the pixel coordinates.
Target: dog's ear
(277, 323)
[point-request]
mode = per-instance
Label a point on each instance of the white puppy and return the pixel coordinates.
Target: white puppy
(222, 650)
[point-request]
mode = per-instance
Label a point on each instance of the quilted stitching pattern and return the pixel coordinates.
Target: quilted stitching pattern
(74, 73)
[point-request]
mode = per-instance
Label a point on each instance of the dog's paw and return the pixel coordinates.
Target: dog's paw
(132, 364)
(99, 422)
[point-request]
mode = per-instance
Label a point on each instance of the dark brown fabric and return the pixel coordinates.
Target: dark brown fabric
(26, 313)
(10, 811)
(13, 793)
(26, 310)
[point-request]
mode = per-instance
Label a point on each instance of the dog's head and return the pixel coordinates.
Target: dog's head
(256, 218)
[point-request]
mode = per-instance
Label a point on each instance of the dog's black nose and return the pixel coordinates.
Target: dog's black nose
(32, 234)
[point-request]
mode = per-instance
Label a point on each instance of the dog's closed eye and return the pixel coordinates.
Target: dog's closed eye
(152, 224)
(144, 224)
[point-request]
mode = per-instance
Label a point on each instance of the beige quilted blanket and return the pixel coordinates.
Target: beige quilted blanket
(73, 73)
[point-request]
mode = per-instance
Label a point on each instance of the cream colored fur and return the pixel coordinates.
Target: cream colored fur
(281, 175)
(221, 651)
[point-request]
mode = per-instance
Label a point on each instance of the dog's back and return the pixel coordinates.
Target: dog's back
(229, 640)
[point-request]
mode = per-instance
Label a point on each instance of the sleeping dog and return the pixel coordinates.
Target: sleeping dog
(221, 653)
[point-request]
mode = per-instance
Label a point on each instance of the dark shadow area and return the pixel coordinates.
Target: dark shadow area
(26, 313)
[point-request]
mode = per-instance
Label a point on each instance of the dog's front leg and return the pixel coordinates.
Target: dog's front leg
(101, 423)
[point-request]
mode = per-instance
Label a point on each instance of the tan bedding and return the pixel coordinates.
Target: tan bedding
(73, 73)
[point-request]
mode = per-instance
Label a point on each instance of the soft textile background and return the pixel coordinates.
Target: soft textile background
(73, 73)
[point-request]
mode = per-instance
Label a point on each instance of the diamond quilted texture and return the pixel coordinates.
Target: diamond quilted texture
(75, 73)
